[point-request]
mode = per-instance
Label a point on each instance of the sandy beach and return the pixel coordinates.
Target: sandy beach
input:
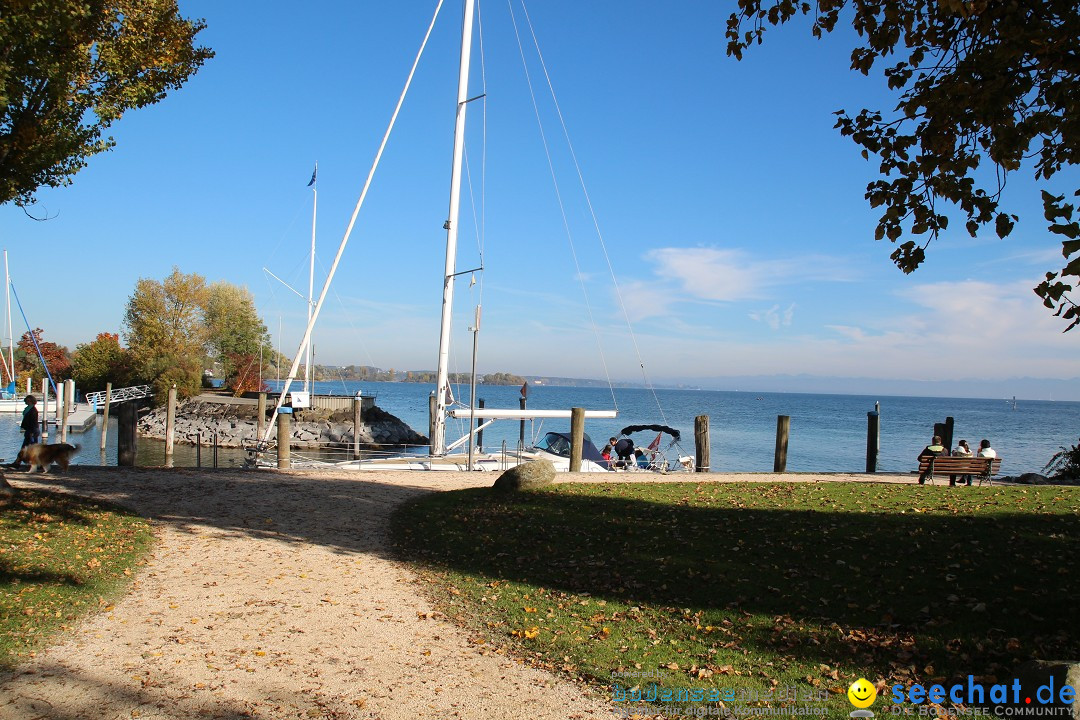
(273, 594)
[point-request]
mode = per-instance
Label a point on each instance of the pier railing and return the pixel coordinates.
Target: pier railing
(119, 395)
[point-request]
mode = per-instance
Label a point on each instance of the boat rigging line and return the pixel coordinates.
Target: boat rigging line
(588, 201)
(33, 337)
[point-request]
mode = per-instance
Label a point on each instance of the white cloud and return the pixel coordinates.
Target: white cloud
(730, 275)
(774, 317)
(645, 300)
(711, 274)
(938, 331)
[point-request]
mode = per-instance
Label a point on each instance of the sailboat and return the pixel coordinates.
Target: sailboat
(443, 455)
(10, 401)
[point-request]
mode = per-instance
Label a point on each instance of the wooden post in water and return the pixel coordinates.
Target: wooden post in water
(170, 427)
(284, 435)
(701, 443)
(873, 440)
(105, 419)
(947, 441)
(947, 437)
(577, 437)
(357, 415)
(69, 403)
(521, 431)
(939, 430)
(479, 422)
(61, 415)
(69, 396)
(260, 418)
(44, 411)
(432, 409)
(783, 429)
(127, 416)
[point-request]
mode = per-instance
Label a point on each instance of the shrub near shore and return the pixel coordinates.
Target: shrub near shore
(754, 588)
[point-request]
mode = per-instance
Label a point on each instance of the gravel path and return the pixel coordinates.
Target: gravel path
(273, 595)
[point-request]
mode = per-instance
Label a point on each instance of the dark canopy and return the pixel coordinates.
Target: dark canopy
(658, 428)
(588, 450)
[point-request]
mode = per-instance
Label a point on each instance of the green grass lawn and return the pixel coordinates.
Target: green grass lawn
(763, 594)
(60, 556)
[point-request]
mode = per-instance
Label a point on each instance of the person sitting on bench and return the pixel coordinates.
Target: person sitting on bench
(962, 450)
(934, 449)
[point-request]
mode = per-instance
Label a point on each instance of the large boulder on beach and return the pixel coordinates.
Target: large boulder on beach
(527, 476)
(1037, 479)
(1029, 479)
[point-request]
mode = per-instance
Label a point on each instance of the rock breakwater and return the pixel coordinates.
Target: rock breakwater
(235, 423)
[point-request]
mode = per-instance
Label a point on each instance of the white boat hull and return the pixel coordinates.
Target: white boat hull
(12, 405)
(459, 462)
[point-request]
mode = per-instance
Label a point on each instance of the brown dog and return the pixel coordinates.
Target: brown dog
(42, 456)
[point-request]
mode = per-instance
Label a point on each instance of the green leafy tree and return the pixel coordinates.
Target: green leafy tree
(234, 330)
(165, 332)
(980, 83)
(100, 362)
(501, 378)
(69, 69)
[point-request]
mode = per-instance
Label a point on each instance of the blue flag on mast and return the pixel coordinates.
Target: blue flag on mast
(313, 174)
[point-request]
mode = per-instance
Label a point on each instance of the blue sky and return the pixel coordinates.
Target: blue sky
(732, 212)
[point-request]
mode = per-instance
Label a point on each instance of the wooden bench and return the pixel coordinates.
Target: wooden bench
(984, 468)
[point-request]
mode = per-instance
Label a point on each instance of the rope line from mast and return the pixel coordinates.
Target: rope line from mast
(555, 182)
(593, 216)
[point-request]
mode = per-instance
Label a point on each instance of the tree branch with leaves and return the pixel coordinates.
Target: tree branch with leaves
(69, 69)
(985, 89)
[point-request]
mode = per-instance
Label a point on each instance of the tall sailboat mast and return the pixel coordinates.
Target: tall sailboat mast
(309, 374)
(9, 362)
(438, 440)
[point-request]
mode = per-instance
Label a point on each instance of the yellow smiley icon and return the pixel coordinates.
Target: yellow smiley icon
(861, 693)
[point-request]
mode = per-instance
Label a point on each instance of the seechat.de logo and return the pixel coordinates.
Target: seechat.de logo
(972, 693)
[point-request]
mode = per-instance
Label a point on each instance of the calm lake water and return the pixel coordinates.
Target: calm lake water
(828, 432)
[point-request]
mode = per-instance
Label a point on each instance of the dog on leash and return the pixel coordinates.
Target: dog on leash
(42, 456)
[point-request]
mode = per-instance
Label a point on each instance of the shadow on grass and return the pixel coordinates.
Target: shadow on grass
(973, 590)
(10, 574)
(59, 508)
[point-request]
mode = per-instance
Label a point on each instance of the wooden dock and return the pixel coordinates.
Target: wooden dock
(83, 418)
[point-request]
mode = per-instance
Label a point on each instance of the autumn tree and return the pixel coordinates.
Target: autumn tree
(69, 69)
(165, 332)
(28, 362)
(100, 362)
(237, 339)
(246, 375)
(984, 88)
